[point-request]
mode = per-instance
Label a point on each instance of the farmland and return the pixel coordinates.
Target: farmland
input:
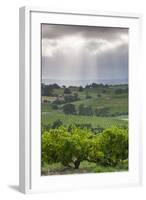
(115, 105)
(94, 108)
(105, 122)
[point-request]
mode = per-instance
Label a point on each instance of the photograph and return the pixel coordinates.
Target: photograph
(84, 99)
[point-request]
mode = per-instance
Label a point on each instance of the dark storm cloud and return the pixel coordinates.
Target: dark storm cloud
(58, 31)
(106, 67)
(82, 54)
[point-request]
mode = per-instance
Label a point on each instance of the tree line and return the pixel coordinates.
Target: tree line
(48, 90)
(89, 111)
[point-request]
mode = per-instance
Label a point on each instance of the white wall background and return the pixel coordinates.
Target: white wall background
(9, 85)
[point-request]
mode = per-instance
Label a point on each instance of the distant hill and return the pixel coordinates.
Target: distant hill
(84, 82)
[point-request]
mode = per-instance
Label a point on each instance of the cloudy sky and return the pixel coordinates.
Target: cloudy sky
(78, 55)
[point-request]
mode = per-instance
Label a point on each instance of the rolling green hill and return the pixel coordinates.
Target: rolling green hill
(111, 100)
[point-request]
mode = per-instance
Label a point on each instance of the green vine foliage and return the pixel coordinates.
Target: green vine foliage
(71, 147)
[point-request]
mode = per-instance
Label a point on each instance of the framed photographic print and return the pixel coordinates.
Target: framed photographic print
(79, 100)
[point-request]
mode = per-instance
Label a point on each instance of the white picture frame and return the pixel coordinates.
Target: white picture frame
(30, 176)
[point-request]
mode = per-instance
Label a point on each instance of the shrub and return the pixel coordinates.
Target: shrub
(85, 110)
(45, 127)
(67, 91)
(98, 95)
(81, 89)
(114, 145)
(55, 106)
(102, 111)
(70, 98)
(45, 101)
(69, 109)
(84, 125)
(57, 124)
(97, 130)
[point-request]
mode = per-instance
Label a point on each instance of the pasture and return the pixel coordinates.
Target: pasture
(110, 98)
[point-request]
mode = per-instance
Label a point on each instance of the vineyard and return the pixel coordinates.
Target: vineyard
(84, 129)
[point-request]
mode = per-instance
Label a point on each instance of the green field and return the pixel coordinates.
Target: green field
(105, 122)
(101, 97)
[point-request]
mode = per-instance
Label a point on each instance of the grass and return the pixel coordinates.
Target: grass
(105, 122)
(46, 107)
(116, 104)
(85, 167)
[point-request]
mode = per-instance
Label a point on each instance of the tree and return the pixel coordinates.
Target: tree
(74, 149)
(67, 91)
(46, 90)
(69, 109)
(81, 89)
(69, 148)
(70, 98)
(54, 86)
(85, 110)
(94, 85)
